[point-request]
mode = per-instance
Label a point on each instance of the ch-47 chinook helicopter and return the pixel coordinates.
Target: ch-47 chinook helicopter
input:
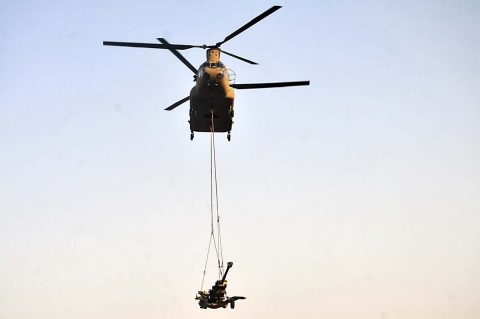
(212, 97)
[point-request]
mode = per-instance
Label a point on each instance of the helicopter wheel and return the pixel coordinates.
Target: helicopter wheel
(228, 136)
(191, 136)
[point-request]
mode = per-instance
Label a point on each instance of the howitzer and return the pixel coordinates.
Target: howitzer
(216, 297)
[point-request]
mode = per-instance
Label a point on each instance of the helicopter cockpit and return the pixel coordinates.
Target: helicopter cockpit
(214, 70)
(212, 65)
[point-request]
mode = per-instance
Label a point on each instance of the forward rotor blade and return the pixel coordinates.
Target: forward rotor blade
(238, 57)
(249, 24)
(179, 56)
(268, 85)
(174, 105)
(151, 45)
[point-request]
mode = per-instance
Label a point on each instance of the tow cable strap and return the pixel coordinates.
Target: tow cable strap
(217, 242)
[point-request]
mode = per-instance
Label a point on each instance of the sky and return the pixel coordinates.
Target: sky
(355, 197)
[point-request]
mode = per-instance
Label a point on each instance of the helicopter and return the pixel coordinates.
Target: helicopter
(212, 97)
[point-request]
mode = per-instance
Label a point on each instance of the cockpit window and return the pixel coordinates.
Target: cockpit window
(213, 65)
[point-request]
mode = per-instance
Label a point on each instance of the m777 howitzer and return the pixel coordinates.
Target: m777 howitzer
(217, 296)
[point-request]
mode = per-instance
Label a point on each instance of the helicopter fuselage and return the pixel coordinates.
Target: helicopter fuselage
(212, 96)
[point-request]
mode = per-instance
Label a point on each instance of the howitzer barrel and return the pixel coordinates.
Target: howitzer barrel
(229, 265)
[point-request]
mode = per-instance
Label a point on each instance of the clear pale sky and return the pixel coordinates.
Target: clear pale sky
(355, 197)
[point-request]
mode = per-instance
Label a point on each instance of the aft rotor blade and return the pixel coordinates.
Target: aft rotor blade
(268, 85)
(179, 56)
(238, 57)
(151, 45)
(174, 105)
(249, 24)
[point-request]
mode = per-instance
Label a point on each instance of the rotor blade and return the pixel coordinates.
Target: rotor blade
(179, 56)
(268, 85)
(238, 57)
(151, 45)
(174, 105)
(249, 24)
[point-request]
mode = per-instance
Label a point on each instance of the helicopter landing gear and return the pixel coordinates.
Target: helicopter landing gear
(191, 136)
(228, 136)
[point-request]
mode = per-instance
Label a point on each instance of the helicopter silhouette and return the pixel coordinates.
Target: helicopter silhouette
(212, 97)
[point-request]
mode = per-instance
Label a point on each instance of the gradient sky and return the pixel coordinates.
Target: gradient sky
(355, 197)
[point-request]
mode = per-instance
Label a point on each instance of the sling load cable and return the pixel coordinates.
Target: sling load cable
(213, 181)
(220, 265)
